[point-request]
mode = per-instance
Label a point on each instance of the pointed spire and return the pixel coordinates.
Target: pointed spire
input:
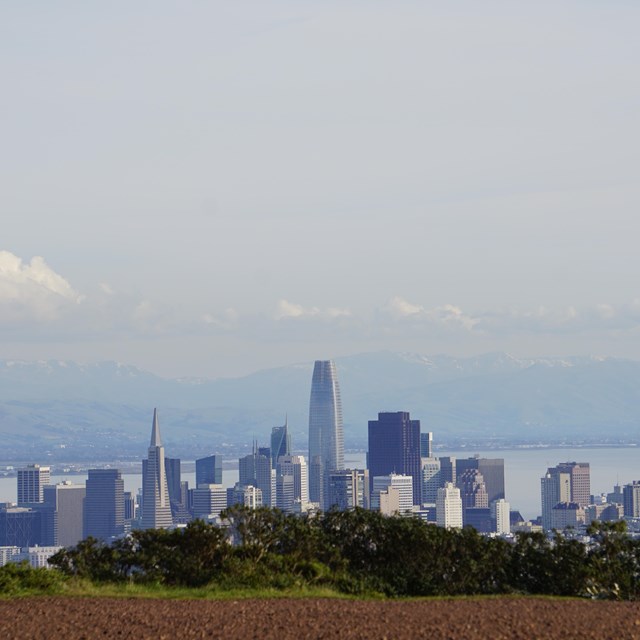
(286, 420)
(155, 431)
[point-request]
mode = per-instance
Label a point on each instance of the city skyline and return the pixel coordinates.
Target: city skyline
(264, 197)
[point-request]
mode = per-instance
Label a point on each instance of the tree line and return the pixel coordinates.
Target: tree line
(361, 552)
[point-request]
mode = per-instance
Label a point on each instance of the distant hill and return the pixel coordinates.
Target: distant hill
(106, 408)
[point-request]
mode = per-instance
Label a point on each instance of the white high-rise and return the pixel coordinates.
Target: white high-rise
(401, 483)
(449, 507)
(292, 481)
(326, 439)
(156, 508)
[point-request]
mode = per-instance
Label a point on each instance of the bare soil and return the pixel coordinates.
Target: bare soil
(466, 619)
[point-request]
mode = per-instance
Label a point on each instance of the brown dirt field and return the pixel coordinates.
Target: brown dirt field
(495, 618)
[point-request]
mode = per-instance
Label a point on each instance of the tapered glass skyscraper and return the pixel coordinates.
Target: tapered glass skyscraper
(326, 439)
(156, 507)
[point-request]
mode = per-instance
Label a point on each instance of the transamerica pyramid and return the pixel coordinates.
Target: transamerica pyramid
(156, 508)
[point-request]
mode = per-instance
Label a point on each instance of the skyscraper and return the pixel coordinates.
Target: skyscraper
(449, 507)
(394, 447)
(280, 443)
(326, 439)
(209, 470)
(156, 506)
(64, 504)
(31, 480)
(103, 514)
(292, 482)
(568, 482)
(492, 470)
(255, 470)
(349, 488)
(426, 444)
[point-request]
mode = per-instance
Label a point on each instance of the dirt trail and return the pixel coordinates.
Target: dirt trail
(526, 618)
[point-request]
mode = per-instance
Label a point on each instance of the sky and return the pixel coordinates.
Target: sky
(212, 188)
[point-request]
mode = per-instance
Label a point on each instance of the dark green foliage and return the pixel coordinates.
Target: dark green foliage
(362, 552)
(17, 578)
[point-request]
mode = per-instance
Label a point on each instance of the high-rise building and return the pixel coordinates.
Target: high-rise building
(403, 484)
(449, 507)
(431, 480)
(208, 500)
(394, 447)
(156, 506)
(348, 489)
(447, 470)
(64, 506)
(426, 444)
(568, 482)
(292, 482)
(631, 499)
(473, 490)
(501, 516)
(255, 470)
(177, 497)
(104, 504)
(326, 438)
(280, 443)
(20, 527)
(31, 481)
(209, 470)
(492, 470)
(248, 496)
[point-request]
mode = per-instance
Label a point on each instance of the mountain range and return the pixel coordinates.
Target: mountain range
(105, 409)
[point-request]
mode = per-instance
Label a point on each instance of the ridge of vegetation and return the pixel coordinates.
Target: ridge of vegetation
(267, 553)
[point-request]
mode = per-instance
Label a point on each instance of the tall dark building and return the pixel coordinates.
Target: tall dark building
(177, 492)
(426, 445)
(394, 447)
(104, 504)
(492, 470)
(280, 443)
(20, 527)
(209, 470)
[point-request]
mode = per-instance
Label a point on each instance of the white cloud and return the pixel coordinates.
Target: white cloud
(286, 309)
(32, 291)
(400, 307)
(447, 315)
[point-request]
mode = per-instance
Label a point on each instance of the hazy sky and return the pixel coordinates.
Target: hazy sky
(208, 188)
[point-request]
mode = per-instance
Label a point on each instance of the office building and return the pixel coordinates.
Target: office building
(63, 512)
(431, 480)
(156, 506)
(208, 500)
(209, 470)
(247, 496)
(403, 484)
(447, 470)
(255, 470)
(280, 443)
(348, 489)
(426, 445)
(631, 499)
(492, 470)
(394, 447)
(20, 527)
(473, 491)
(568, 482)
(449, 507)
(103, 514)
(501, 516)
(177, 491)
(326, 438)
(567, 514)
(292, 482)
(31, 481)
